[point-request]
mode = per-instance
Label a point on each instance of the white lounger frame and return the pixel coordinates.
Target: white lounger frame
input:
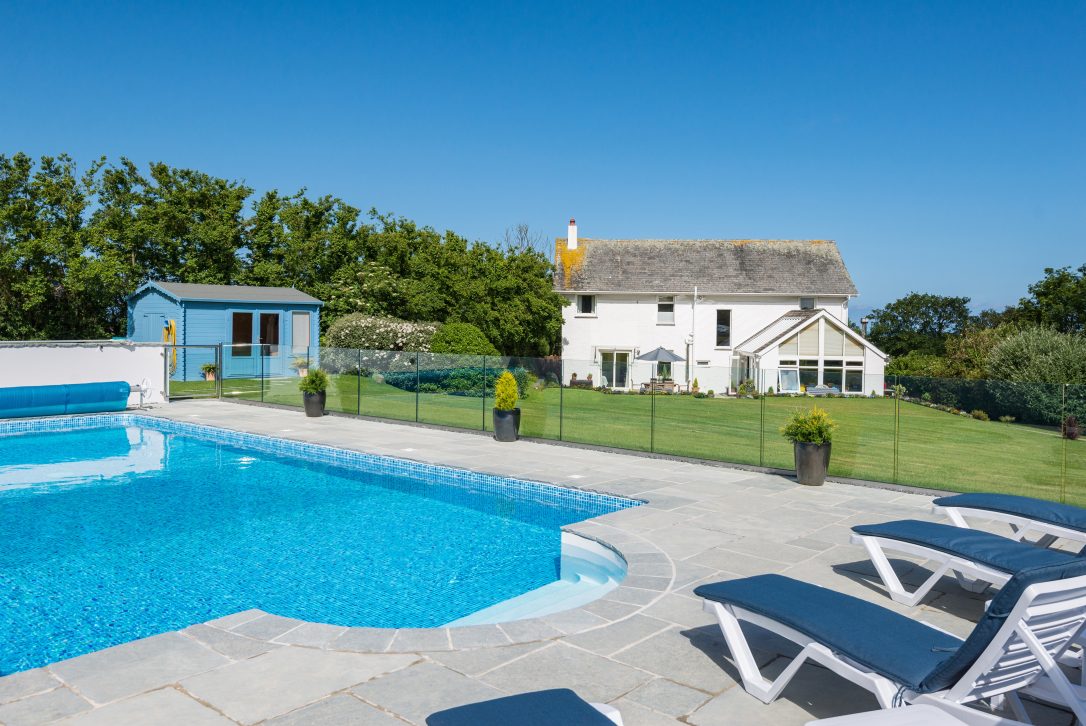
(609, 711)
(1022, 655)
(1021, 527)
(971, 575)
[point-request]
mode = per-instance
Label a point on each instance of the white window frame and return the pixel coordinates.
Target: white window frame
(731, 327)
(580, 306)
(665, 317)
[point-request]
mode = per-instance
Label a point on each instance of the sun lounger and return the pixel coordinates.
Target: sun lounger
(1026, 516)
(976, 558)
(911, 716)
(1028, 625)
(540, 708)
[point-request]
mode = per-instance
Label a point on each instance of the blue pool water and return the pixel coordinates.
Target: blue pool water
(126, 530)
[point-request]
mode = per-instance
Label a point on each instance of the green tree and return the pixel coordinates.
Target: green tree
(463, 339)
(918, 322)
(1058, 300)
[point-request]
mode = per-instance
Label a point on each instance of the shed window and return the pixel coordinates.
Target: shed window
(242, 334)
(299, 330)
(723, 328)
(269, 333)
(586, 304)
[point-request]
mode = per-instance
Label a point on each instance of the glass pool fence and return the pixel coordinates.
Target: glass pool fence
(948, 434)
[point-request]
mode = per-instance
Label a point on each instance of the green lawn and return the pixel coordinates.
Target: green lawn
(934, 449)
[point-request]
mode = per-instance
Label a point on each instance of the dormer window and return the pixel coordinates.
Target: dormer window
(806, 303)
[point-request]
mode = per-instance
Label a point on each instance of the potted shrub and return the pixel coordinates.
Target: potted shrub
(694, 386)
(506, 413)
(810, 433)
(210, 371)
(300, 364)
(314, 387)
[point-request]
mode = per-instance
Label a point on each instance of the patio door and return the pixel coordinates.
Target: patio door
(616, 368)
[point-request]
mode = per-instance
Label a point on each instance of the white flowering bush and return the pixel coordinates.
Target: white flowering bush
(371, 332)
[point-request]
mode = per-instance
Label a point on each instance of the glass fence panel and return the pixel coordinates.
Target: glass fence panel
(601, 403)
(972, 435)
(193, 371)
(278, 382)
(341, 366)
(387, 383)
(538, 390)
(705, 423)
(450, 390)
(241, 372)
(1074, 445)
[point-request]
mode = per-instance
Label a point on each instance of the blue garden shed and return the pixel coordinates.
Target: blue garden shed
(261, 329)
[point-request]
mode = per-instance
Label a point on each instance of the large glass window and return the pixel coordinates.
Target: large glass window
(788, 381)
(723, 328)
(241, 334)
(615, 365)
(269, 333)
(665, 311)
(832, 377)
(854, 381)
(586, 304)
(808, 378)
(299, 330)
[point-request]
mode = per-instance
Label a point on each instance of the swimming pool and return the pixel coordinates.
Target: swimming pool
(122, 526)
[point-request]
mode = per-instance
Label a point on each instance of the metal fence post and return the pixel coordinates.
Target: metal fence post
(761, 419)
(166, 373)
(261, 350)
(219, 365)
(417, 356)
(358, 395)
(1063, 444)
(561, 389)
(897, 425)
(652, 416)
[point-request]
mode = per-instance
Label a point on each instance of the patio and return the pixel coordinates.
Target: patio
(647, 648)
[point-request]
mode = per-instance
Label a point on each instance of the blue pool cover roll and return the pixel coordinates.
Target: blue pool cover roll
(24, 401)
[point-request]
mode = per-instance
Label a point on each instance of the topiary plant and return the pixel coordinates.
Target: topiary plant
(505, 392)
(315, 381)
(461, 338)
(810, 427)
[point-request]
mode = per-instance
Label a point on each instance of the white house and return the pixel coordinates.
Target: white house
(770, 311)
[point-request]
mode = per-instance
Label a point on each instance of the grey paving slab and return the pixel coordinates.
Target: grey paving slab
(695, 658)
(125, 670)
(283, 680)
(420, 690)
(165, 707)
(364, 640)
(410, 640)
(526, 631)
(615, 637)
(236, 619)
(480, 660)
(268, 627)
(574, 621)
(42, 708)
(26, 683)
(478, 637)
(316, 635)
(635, 714)
(232, 645)
(338, 710)
(561, 666)
(668, 697)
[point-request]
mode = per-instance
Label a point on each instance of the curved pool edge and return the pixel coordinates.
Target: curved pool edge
(641, 588)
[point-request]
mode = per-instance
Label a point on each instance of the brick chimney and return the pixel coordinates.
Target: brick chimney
(571, 237)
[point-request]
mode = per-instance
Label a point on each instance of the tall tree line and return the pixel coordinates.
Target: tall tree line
(74, 243)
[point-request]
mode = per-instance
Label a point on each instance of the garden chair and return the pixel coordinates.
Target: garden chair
(1014, 647)
(912, 716)
(1026, 516)
(539, 708)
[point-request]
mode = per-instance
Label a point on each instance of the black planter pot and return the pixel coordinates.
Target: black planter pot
(314, 403)
(812, 462)
(506, 424)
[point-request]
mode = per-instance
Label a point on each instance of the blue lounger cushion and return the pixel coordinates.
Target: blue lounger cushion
(986, 548)
(890, 644)
(910, 653)
(540, 708)
(1063, 515)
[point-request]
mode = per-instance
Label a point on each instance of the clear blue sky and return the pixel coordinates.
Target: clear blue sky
(942, 144)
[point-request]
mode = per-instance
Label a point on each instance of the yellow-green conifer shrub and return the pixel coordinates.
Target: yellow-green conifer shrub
(505, 392)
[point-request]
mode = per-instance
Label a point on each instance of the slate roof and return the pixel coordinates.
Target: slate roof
(235, 293)
(716, 266)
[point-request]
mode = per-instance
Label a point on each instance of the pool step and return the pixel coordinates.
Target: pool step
(589, 571)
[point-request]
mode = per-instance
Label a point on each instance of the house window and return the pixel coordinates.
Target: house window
(663, 370)
(665, 310)
(806, 303)
(702, 363)
(788, 380)
(615, 365)
(269, 334)
(241, 326)
(854, 381)
(723, 328)
(586, 304)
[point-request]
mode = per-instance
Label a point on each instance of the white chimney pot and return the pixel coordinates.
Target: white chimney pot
(571, 238)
